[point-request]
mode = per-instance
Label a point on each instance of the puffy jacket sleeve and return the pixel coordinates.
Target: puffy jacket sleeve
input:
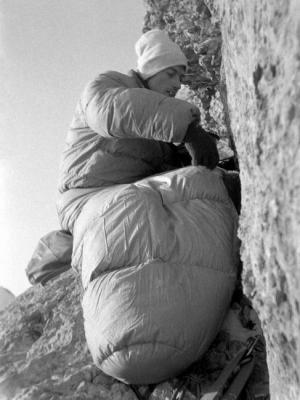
(112, 109)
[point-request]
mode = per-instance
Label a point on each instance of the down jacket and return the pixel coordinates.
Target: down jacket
(157, 254)
(121, 133)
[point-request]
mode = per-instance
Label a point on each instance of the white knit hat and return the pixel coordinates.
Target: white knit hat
(156, 52)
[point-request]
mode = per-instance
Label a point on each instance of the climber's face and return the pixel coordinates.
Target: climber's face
(168, 81)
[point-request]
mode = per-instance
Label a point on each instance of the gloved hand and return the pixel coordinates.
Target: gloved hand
(201, 146)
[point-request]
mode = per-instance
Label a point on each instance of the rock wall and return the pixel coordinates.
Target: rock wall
(261, 58)
(244, 72)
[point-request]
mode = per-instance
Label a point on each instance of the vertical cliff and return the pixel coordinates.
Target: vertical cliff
(245, 76)
(261, 58)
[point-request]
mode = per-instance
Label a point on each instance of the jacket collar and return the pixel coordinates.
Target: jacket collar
(136, 76)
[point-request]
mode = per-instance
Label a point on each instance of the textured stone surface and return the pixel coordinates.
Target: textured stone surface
(256, 76)
(261, 57)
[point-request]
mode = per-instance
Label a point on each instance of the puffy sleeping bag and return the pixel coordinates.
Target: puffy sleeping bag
(158, 260)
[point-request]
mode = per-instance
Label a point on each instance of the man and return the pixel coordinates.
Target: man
(155, 244)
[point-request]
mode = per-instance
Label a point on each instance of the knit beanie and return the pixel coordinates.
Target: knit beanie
(156, 52)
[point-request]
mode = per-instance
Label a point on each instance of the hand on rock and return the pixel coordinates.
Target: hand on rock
(201, 146)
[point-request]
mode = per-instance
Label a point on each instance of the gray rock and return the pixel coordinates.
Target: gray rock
(261, 51)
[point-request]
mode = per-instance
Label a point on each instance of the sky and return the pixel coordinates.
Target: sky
(49, 49)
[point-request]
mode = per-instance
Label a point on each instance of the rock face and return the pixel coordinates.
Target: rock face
(261, 58)
(256, 75)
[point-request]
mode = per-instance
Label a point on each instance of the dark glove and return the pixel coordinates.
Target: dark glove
(201, 146)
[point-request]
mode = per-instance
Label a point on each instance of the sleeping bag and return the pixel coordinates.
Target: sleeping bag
(158, 262)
